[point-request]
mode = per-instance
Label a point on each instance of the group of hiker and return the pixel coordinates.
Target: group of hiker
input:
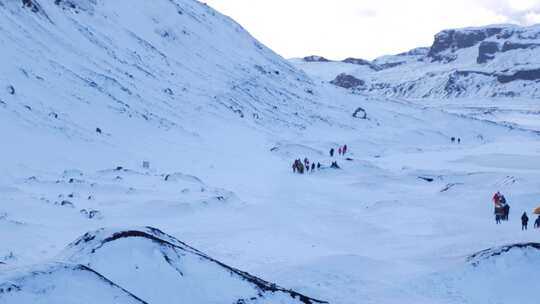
(502, 210)
(301, 167)
(341, 150)
(454, 139)
(306, 166)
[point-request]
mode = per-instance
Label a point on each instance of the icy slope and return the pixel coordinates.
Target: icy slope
(140, 266)
(491, 61)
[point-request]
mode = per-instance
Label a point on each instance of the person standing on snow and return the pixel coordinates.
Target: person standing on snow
(300, 167)
(294, 167)
(524, 221)
(344, 149)
(506, 210)
(537, 222)
(339, 150)
(318, 166)
(312, 167)
(332, 152)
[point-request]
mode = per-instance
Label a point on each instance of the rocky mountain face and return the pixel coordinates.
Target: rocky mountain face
(491, 61)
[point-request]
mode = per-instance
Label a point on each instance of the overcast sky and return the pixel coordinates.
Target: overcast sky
(365, 28)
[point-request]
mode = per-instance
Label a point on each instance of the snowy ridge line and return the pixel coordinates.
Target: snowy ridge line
(174, 243)
(476, 258)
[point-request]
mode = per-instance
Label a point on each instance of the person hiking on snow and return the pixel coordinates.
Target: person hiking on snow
(312, 167)
(537, 222)
(332, 152)
(318, 166)
(294, 167)
(524, 221)
(339, 150)
(344, 149)
(506, 211)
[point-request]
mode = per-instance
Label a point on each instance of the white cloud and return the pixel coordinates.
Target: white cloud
(365, 28)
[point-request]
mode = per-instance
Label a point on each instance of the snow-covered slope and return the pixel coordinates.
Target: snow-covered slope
(139, 266)
(491, 61)
(96, 72)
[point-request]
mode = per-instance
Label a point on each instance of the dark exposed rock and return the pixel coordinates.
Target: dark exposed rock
(315, 58)
(11, 90)
(530, 75)
(347, 81)
(480, 256)
(31, 5)
(487, 51)
(91, 214)
(67, 204)
(359, 61)
(360, 113)
(458, 39)
(98, 130)
(389, 65)
(76, 5)
(508, 46)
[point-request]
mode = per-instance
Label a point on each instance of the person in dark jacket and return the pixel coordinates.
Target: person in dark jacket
(453, 139)
(344, 149)
(332, 152)
(524, 221)
(506, 210)
(312, 167)
(537, 222)
(318, 166)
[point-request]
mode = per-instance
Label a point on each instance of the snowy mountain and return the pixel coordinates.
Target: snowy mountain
(491, 61)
